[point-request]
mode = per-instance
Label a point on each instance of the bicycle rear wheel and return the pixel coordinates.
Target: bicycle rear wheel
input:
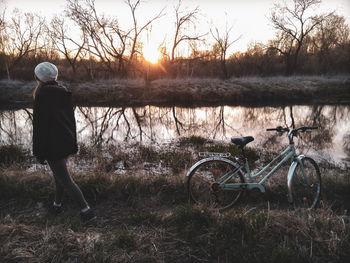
(203, 184)
(306, 184)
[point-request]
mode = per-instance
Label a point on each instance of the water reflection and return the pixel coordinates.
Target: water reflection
(98, 125)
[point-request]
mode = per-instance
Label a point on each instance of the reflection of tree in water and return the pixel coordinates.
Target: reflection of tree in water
(16, 127)
(141, 123)
(220, 123)
(346, 145)
(178, 124)
(8, 127)
(102, 124)
(105, 125)
(325, 124)
(98, 126)
(262, 118)
(324, 117)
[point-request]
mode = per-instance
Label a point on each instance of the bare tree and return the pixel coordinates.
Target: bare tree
(195, 58)
(104, 37)
(3, 40)
(222, 44)
(183, 19)
(332, 33)
(2, 19)
(137, 30)
(19, 37)
(293, 23)
(66, 45)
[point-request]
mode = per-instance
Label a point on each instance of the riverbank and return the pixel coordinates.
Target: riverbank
(252, 91)
(140, 197)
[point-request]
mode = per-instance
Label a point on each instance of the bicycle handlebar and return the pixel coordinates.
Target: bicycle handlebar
(279, 129)
(292, 132)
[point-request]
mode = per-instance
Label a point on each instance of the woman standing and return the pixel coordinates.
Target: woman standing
(54, 135)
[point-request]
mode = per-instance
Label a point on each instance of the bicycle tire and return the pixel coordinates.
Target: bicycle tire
(306, 195)
(203, 181)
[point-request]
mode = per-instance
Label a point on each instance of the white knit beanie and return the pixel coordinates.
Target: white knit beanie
(46, 71)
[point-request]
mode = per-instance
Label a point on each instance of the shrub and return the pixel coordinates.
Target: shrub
(148, 154)
(25, 187)
(194, 140)
(11, 154)
(177, 160)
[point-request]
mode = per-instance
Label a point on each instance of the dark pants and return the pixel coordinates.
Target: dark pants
(64, 182)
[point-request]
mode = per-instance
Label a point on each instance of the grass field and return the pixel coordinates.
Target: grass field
(250, 91)
(144, 215)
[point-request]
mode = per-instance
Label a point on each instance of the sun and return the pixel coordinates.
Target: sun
(151, 54)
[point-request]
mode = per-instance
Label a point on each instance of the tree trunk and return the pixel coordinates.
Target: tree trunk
(224, 68)
(8, 71)
(289, 66)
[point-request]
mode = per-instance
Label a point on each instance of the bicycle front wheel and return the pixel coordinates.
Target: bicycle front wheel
(203, 184)
(306, 184)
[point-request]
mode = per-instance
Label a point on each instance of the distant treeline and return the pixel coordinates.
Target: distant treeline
(101, 49)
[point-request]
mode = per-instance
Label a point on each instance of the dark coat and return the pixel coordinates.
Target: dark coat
(54, 128)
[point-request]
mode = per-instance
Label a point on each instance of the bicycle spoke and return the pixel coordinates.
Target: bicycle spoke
(204, 184)
(306, 184)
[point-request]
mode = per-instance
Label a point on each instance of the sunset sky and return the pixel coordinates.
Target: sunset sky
(248, 17)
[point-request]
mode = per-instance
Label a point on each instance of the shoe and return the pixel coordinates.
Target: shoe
(55, 210)
(88, 216)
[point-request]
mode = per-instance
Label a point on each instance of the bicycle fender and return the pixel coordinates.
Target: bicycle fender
(193, 167)
(292, 168)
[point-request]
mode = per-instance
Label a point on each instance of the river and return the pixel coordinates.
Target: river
(161, 125)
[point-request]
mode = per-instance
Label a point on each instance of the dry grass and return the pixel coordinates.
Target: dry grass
(148, 219)
(252, 91)
(145, 217)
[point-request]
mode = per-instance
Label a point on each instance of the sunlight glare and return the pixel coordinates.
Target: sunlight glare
(151, 54)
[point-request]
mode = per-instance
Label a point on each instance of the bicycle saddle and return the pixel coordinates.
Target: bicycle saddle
(242, 141)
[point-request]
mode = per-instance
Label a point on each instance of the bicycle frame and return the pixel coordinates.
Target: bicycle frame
(288, 153)
(240, 167)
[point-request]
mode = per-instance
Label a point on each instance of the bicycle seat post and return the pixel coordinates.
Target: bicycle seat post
(243, 152)
(241, 142)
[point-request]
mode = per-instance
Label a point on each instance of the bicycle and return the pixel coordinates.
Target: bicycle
(218, 180)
